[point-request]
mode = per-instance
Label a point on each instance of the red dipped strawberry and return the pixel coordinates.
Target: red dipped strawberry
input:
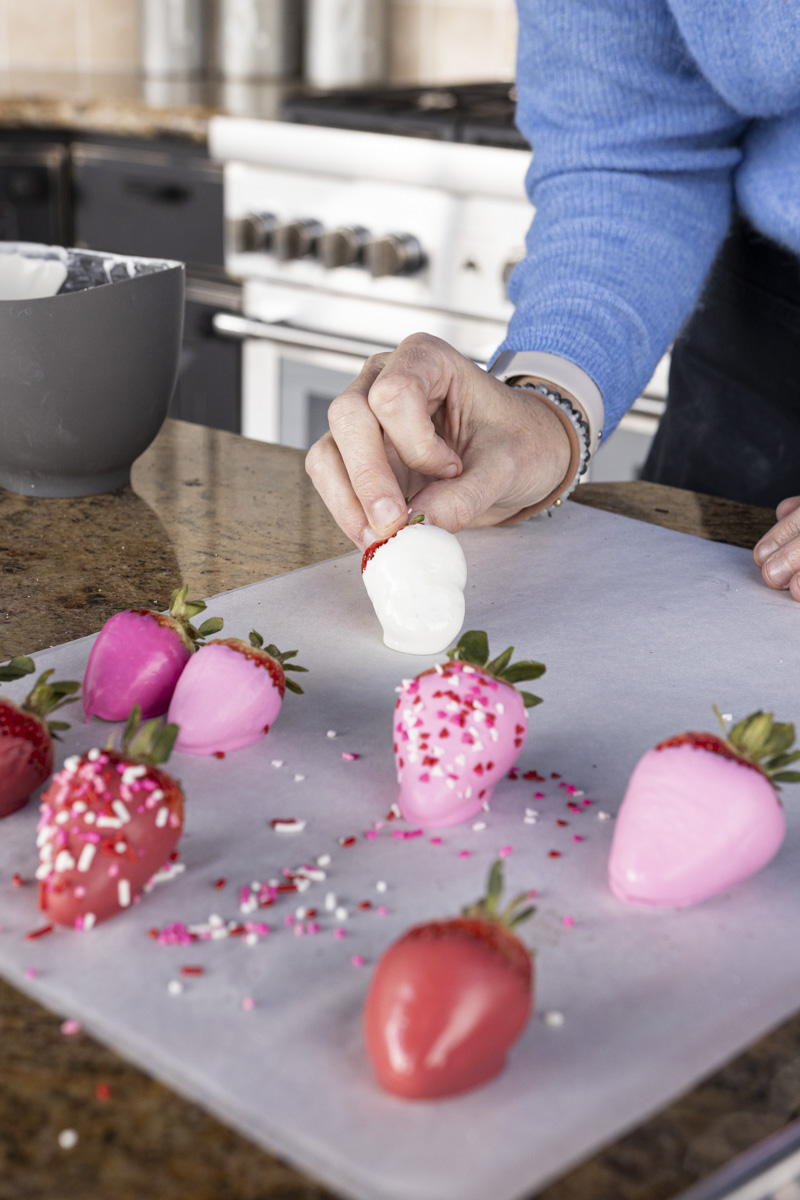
(138, 657)
(701, 813)
(110, 819)
(26, 738)
(230, 693)
(448, 1000)
(458, 729)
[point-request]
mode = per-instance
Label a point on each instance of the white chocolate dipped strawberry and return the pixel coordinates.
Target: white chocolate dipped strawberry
(701, 813)
(458, 728)
(415, 580)
(110, 819)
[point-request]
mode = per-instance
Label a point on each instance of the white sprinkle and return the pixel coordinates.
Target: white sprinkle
(324, 860)
(87, 854)
(299, 778)
(300, 913)
(553, 1018)
(79, 806)
(108, 823)
(603, 816)
(531, 812)
(89, 921)
(479, 825)
(71, 764)
(121, 811)
(277, 762)
(215, 920)
(381, 885)
(529, 820)
(174, 987)
(156, 794)
(251, 939)
(68, 1139)
(162, 816)
(124, 893)
(62, 817)
(294, 825)
(93, 755)
(485, 806)
(64, 861)
(131, 774)
(44, 835)
(729, 716)
(120, 847)
(499, 708)
(330, 902)
(396, 809)
(341, 913)
(331, 733)
(44, 871)
(90, 818)
(302, 885)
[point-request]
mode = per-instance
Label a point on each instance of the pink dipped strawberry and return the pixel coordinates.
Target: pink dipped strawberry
(701, 813)
(230, 694)
(138, 657)
(109, 820)
(458, 728)
(449, 999)
(26, 737)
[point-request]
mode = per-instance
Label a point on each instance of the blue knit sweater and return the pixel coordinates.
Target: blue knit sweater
(649, 119)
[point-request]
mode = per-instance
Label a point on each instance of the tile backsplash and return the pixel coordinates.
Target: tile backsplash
(431, 41)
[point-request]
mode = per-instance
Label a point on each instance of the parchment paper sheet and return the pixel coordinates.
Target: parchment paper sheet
(641, 629)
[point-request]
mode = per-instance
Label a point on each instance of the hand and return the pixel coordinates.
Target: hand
(778, 552)
(425, 422)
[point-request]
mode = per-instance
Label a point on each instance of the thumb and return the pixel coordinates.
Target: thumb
(455, 504)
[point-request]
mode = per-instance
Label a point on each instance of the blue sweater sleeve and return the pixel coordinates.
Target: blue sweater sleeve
(631, 179)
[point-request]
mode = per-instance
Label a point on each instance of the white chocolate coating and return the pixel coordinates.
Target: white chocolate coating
(416, 584)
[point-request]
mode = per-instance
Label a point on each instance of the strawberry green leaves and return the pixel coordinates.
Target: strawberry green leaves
(44, 697)
(257, 642)
(17, 668)
(765, 742)
(473, 647)
(487, 908)
(184, 611)
(150, 743)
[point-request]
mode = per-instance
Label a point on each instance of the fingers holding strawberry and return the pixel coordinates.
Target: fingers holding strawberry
(449, 999)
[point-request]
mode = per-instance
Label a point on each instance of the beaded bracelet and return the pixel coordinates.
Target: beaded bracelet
(577, 429)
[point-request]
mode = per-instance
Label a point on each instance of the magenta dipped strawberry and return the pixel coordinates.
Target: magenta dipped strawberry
(701, 813)
(138, 657)
(458, 728)
(26, 737)
(230, 694)
(109, 821)
(449, 999)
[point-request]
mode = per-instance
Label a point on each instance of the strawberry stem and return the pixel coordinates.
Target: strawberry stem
(257, 642)
(515, 912)
(183, 611)
(473, 647)
(766, 743)
(150, 744)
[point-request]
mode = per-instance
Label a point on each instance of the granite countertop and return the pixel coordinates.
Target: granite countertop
(219, 511)
(131, 105)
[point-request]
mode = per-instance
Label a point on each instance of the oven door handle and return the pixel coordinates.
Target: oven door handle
(229, 325)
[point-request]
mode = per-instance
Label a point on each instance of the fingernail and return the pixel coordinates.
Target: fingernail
(779, 571)
(367, 537)
(385, 512)
(763, 551)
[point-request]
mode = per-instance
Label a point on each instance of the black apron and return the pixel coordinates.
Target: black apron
(732, 424)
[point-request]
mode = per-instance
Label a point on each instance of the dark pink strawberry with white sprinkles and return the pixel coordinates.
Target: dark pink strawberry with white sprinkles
(459, 728)
(109, 821)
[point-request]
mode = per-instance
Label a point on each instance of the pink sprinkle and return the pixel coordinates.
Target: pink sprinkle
(357, 960)
(568, 921)
(504, 851)
(572, 789)
(379, 824)
(586, 803)
(30, 973)
(465, 854)
(299, 929)
(288, 920)
(248, 1003)
(340, 933)
(436, 841)
(539, 795)
(70, 1027)
(348, 757)
(532, 894)
(370, 835)
(382, 911)
(312, 928)
(576, 837)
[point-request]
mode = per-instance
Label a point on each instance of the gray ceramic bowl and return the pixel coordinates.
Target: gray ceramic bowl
(87, 374)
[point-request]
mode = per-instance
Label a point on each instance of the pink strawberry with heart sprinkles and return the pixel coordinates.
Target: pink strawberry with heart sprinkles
(109, 821)
(459, 728)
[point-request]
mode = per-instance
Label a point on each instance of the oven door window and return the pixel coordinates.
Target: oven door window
(307, 390)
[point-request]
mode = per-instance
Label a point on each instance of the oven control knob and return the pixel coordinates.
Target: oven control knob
(295, 239)
(341, 247)
(394, 254)
(254, 232)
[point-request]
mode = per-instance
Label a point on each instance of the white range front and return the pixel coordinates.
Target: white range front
(347, 242)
